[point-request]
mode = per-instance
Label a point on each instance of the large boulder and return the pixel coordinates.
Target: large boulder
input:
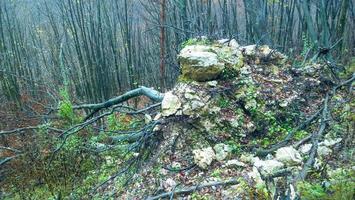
(200, 63)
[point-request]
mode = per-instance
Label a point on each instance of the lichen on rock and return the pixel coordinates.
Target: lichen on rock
(204, 157)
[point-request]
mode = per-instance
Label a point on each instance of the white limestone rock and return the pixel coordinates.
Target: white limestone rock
(212, 83)
(268, 166)
(249, 50)
(203, 157)
(198, 55)
(304, 149)
(170, 104)
(234, 44)
(200, 63)
(288, 155)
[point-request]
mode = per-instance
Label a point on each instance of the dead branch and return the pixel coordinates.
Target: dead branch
(194, 188)
(148, 92)
(315, 140)
(19, 130)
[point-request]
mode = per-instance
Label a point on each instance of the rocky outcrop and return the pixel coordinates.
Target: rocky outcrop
(229, 100)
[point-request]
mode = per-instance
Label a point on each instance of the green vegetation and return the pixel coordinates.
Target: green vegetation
(196, 41)
(340, 187)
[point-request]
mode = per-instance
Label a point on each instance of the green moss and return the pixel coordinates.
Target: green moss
(196, 41)
(340, 186)
(201, 73)
(217, 173)
(223, 102)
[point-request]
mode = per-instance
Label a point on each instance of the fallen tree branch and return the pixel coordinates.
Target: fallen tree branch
(7, 159)
(148, 92)
(193, 188)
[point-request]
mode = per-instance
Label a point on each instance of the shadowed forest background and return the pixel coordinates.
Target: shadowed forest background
(56, 55)
(99, 48)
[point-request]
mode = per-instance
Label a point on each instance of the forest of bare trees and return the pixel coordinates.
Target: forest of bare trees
(99, 48)
(71, 72)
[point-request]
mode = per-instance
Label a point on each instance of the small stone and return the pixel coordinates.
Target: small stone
(283, 103)
(196, 105)
(249, 50)
(235, 163)
(288, 155)
(212, 83)
(304, 149)
(323, 151)
(204, 157)
(176, 165)
(222, 151)
(147, 118)
(234, 44)
(170, 104)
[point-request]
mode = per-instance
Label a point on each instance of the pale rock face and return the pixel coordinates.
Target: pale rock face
(304, 149)
(199, 55)
(288, 155)
(268, 166)
(170, 104)
(235, 163)
(204, 157)
(222, 151)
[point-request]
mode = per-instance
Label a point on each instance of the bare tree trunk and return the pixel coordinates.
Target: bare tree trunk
(162, 43)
